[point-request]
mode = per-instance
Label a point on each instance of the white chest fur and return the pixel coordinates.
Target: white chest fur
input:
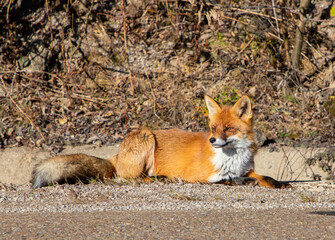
(231, 163)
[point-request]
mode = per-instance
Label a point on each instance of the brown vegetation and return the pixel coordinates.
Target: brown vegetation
(89, 71)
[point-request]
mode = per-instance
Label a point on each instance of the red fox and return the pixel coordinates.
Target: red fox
(224, 155)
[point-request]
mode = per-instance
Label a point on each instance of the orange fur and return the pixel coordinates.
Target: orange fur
(181, 154)
(225, 154)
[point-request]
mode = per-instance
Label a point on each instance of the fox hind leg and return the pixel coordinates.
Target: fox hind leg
(266, 181)
(136, 154)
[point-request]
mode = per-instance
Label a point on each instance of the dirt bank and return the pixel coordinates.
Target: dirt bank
(283, 163)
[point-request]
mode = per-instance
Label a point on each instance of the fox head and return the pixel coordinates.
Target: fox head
(231, 126)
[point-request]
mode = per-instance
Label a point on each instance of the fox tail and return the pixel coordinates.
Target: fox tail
(71, 168)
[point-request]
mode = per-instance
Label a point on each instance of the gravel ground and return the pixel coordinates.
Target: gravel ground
(162, 210)
(163, 196)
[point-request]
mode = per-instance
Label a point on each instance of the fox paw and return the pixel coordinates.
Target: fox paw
(250, 181)
(274, 183)
(286, 185)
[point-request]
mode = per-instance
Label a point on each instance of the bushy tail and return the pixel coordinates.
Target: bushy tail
(69, 168)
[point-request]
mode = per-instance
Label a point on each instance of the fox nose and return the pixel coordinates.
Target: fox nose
(212, 140)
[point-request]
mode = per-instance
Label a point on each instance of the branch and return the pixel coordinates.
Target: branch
(304, 6)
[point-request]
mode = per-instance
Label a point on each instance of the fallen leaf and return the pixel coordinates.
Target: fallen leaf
(62, 121)
(332, 11)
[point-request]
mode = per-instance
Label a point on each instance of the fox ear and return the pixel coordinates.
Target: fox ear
(243, 108)
(213, 107)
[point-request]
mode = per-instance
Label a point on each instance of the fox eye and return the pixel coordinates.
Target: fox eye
(229, 128)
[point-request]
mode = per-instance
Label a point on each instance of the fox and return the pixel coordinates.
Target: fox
(225, 154)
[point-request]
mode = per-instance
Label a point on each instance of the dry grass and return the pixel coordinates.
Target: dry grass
(109, 68)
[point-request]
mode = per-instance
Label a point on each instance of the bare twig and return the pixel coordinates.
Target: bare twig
(30, 120)
(151, 89)
(87, 98)
(99, 101)
(49, 18)
(8, 7)
(253, 37)
(3, 186)
(256, 13)
(199, 13)
(311, 46)
(304, 5)
(14, 79)
(276, 18)
(81, 38)
(236, 20)
(285, 32)
(267, 34)
(124, 27)
(30, 71)
(123, 5)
